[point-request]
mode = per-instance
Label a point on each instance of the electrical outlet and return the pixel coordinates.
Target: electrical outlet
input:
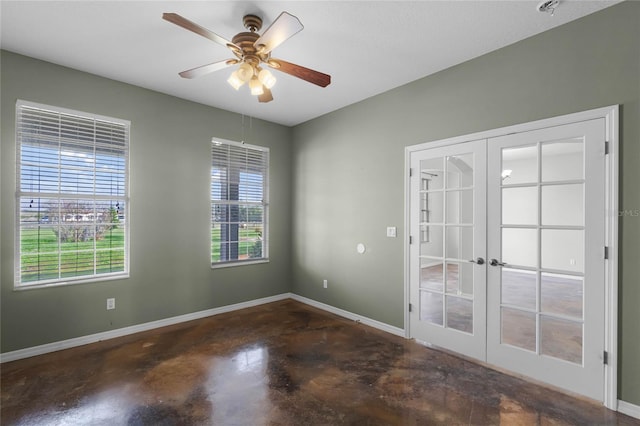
(111, 304)
(325, 283)
(391, 231)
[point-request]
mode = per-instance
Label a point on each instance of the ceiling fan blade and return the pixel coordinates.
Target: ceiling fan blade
(174, 18)
(206, 69)
(266, 95)
(285, 26)
(315, 77)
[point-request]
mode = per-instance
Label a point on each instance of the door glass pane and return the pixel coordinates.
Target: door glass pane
(433, 169)
(563, 205)
(518, 328)
(563, 249)
(460, 206)
(518, 288)
(520, 246)
(562, 294)
(561, 338)
(459, 242)
(431, 307)
(431, 276)
(460, 278)
(520, 165)
(562, 160)
(460, 314)
(460, 171)
(431, 207)
(520, 206)
(431, 244)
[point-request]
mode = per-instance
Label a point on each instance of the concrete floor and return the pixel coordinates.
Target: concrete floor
(282, 363)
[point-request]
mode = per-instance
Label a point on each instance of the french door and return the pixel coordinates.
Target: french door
(506, 261)
(546, 272)
(448, 223)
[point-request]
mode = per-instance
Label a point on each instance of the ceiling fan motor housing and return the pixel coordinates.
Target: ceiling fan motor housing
(246, 41)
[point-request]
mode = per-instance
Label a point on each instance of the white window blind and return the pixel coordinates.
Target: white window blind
(72, 196)
(239, 202)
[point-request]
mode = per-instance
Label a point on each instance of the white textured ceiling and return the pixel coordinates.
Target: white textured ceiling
(367, 47)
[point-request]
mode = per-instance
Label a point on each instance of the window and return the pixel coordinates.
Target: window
(72, 196)
(239, 202)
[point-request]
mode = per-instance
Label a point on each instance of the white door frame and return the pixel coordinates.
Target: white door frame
(610, 114)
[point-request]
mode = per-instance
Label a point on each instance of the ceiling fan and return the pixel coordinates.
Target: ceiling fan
(252, 52)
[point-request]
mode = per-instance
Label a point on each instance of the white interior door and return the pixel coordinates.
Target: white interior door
(546, 267)
(448, 228)
(535, 202)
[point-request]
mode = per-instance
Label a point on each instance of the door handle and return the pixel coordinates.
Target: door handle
(479, 261)
(494, 262)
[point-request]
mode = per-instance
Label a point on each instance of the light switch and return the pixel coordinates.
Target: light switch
(391, 231)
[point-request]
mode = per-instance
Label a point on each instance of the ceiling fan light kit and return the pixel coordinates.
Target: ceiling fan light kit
(251, 50)
(255, 86)
(266, 78)
(235, 81)
(245, 72)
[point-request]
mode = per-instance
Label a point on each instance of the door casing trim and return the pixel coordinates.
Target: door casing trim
(611, 116)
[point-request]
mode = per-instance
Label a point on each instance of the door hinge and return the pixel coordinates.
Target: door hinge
(410, 172)
(605, 358)
(410, 307)
(606, 252)
(606, 147)
(410, 239)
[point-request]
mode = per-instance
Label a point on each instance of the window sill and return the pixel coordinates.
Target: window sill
(23, 287)
(232, 264)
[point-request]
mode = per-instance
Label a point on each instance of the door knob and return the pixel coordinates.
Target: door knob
(479, 261)
(494, 262)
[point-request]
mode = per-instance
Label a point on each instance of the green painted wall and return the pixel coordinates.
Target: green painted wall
(169, 216)
(349, 164)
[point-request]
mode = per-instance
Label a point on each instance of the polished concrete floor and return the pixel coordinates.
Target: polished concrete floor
(282, 363)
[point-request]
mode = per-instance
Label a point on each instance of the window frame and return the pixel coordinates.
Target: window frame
(264, 204)
(22, 105)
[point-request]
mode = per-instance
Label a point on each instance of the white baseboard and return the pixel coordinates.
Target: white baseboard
(346, 314)
(120, 332)
(97, 337)
(629, 409)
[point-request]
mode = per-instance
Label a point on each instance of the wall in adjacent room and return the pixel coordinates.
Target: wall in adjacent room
(349, 164)
(170, 272)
